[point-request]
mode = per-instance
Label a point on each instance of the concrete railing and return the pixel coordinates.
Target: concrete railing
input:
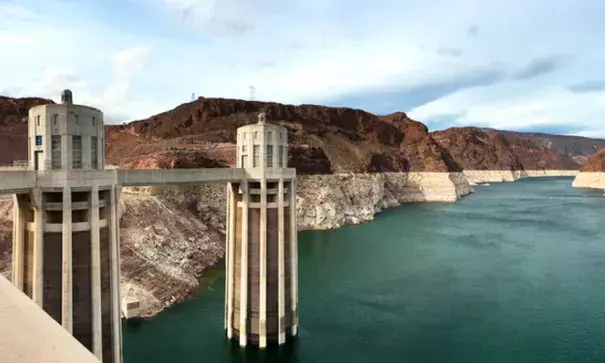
(22, 181)
(134, 178)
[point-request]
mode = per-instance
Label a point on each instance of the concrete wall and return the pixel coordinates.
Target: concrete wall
(31, 336)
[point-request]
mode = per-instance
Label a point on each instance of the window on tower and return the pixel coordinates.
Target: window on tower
(269, 156)
(256, 156)
(55, 152)
(76, 147)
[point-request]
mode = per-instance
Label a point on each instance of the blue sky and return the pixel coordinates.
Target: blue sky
(524, 65)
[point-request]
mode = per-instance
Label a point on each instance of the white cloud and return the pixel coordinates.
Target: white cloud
(150, 55)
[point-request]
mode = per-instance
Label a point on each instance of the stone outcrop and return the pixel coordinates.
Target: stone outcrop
(577, 147)
(476, 149)
(322, 139)
(592, 174)
(331, 201)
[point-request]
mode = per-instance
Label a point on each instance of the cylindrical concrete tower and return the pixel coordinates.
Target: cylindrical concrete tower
(66, 235)
(262, 259)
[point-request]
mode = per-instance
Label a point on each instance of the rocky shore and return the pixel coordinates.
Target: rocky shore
(592, 174)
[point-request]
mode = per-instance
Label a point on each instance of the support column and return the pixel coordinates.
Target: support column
(294, 257)
(281, 307)
(67, 272)
(18, 240)
(38, 260)
(262, 326)
(232, 208)
(115, 274)
(95, 273)
(227, 252)
(243, 302)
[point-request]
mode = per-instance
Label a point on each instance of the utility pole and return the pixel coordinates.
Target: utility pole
(252, 89)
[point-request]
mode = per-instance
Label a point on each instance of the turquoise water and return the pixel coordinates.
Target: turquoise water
(512, 273)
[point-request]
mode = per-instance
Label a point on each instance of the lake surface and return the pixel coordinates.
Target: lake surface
(512, 273)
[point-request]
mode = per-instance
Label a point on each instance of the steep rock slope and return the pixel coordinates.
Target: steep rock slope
(322, 139)
(592, 174)
(573, 146)
(595, 162)
(476, 149)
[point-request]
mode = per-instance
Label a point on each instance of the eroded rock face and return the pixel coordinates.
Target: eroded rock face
(476, 149)
(322, 139)
(592, 174)
(595, 162)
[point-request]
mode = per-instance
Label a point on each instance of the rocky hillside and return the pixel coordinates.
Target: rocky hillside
(477, 149)
(13, 126)
(323, 139)
(573, 146)
(595, 162)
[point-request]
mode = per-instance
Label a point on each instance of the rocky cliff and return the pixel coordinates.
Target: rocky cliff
(476, 149)
(577, 147)
(322, 139)
(592, 174)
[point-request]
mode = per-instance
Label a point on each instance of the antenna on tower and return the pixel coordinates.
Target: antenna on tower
(193, 96)
(252, 89)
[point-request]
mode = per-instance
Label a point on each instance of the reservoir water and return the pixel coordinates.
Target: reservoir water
(512, 273)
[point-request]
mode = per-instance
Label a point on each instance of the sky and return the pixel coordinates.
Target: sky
(523, 65)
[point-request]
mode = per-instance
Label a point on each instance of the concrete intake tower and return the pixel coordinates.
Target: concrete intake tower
(65, 233)
(261, 277)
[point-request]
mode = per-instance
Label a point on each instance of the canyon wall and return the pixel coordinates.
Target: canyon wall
(592, 174)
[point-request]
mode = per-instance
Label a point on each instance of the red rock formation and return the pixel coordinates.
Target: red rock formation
(322, 139)
(13, 126)
(595, 162)
(477, 149)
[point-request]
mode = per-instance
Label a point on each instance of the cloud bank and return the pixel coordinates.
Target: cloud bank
(445, 63)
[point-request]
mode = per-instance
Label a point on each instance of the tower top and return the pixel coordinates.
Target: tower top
(261, 118)
(67, 97)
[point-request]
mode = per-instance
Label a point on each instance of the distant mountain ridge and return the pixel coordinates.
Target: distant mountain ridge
(565, 144)
(479, 149)
(323, 139)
